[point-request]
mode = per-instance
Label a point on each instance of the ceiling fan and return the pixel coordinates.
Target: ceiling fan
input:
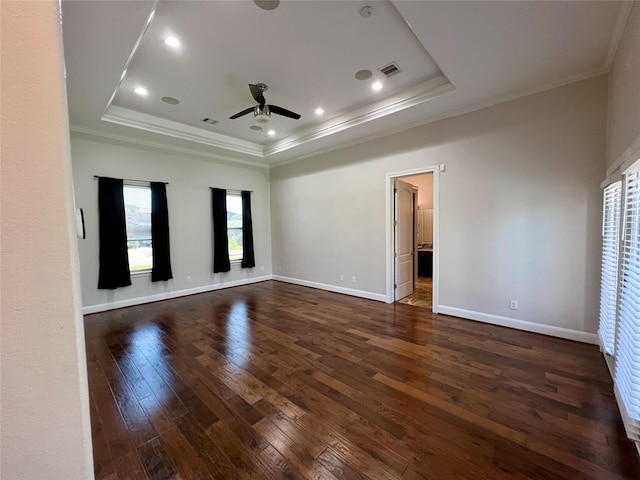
(262, 112)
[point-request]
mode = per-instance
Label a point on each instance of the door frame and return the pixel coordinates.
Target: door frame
(389, 229)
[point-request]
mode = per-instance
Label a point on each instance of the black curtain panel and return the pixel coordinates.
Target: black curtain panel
(248, 257)
(161, 270)
(114, 261)
(221, 261)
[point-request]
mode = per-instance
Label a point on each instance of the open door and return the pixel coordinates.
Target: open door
(404, 239)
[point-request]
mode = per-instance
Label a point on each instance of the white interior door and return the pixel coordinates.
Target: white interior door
(404, 237)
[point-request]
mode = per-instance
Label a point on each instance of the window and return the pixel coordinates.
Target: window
(627, 351)
(609, 276)
(137, 207)
(620, 293)
(234, 226)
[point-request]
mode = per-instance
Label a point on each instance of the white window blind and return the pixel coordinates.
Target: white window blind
(627, 350)
(609, 274)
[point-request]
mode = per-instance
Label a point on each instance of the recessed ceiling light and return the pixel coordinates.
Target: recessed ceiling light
(141, 91)
(363, 74)
(172, 41)
(170, 100)
(257, 128)
(319, 111)
(376, 86)
(271, 133)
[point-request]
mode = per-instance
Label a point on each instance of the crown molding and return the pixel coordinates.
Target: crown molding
(409, 98)
(77, 130)
(450, 114)
(150, 123)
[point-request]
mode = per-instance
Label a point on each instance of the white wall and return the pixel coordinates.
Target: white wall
(190, 223)
(519, 208)
(46, 431)
(624, 94)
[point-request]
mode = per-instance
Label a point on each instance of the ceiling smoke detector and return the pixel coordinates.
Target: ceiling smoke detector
(267, 4)
(366, 12)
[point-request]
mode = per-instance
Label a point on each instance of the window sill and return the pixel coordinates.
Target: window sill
(141, 273)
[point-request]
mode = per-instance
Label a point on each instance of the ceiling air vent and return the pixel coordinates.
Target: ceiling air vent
(210, 121)
(390, 70)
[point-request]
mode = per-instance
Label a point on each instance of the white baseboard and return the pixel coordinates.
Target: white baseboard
(168, 295)
(550, 330)
(332, 288)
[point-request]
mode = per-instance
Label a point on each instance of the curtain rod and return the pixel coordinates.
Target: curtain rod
(96, 177)
(234, 190)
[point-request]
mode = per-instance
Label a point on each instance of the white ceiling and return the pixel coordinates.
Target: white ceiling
(454, 57)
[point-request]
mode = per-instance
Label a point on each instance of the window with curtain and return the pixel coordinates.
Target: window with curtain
(609, 273)
(627, 346)
(134, 231)
(232, 229)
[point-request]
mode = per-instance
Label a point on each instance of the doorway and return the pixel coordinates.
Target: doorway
(421, 289)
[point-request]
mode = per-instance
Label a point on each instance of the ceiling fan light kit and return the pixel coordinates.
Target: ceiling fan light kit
(262, 115)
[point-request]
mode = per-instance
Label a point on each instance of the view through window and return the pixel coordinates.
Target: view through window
(234, 225)
(137, 206)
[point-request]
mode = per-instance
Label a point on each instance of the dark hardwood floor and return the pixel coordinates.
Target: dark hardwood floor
(278, 381)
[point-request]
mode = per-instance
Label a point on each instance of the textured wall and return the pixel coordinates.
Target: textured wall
(45, 410)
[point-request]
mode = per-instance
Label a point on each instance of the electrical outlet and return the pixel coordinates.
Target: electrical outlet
(353, 279)
(189, 279)
(262, 269)
(513, 304)
(342, 278)
(279, 268)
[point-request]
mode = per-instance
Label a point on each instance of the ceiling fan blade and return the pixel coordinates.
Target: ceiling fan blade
(257, 94)
(283, 111)
(243, 112)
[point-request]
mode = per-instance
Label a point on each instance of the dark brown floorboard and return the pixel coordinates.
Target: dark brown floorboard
(278, 381)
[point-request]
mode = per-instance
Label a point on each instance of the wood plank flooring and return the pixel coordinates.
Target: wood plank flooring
(422, 295)
(276, 381)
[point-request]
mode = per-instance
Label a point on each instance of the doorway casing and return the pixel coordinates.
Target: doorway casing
(389, 229)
